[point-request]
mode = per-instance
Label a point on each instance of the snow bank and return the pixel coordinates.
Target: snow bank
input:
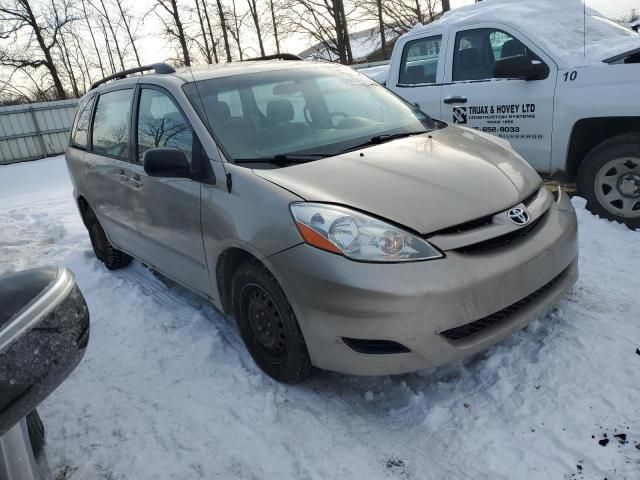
(556, 26)
(167, 390)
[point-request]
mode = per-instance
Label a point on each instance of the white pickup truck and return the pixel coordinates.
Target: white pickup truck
(560, 83)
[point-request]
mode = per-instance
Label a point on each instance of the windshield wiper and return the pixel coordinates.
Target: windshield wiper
(378, 139)
(283, 159)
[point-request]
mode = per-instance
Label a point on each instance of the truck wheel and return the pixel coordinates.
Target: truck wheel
(107, 253)
(609, 178)
(268, 324)
(36, 432)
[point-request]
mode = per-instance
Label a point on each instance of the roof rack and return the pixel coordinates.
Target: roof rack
(156, 67)
(276, 56)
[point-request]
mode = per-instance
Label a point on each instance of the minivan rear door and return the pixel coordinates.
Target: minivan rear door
(167, 209)
(107, 166)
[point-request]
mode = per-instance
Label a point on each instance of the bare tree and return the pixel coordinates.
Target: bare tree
(108, 46)
(32, 35)
(174, 26)
(126, 21)
(325, 22)
(214, 42)
(93, 38)
(398, 16)
(234, 28)
(255, 16)
(223, 26)
(107, 19)
(272, 11)
(205, 48)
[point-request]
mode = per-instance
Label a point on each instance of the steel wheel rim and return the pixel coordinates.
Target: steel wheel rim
(264, 321)
(617, 186)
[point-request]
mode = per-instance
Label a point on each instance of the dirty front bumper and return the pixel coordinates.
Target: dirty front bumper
(440, 310)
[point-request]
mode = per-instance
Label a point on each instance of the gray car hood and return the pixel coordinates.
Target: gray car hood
(426, 182)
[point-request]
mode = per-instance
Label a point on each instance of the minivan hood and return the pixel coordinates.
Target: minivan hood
(426, 182)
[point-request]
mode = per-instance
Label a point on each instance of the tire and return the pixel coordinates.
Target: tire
(107, 253)
(609, 179)
(268, 325)
(36, 432)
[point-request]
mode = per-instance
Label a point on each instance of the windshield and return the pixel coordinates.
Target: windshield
(315, 111)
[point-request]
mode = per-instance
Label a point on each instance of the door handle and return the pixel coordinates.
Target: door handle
(456, 99)
(119, 172)
(135, 179)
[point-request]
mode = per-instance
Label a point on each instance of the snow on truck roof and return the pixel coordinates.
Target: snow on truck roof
(556, 26)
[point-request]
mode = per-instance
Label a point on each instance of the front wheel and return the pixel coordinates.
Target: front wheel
(609, 179)
(268, 324)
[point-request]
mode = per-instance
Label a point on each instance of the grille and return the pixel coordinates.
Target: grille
(502, 240)
(467, 330)
(478, 222)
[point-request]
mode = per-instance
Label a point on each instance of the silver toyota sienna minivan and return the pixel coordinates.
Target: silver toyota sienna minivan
(341, 226)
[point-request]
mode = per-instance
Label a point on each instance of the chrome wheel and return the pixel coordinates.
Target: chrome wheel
(617, 186)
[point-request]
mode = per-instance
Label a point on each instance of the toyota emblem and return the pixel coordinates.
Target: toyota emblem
(519, 216)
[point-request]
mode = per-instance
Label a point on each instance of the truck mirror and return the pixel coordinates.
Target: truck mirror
(520, 67)
(44, 331)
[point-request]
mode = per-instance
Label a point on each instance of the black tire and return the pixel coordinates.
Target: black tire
(107, 253)
(268, 324)
(599, 179)
(36, 432)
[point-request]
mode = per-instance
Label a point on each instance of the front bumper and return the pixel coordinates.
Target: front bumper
(412, 303)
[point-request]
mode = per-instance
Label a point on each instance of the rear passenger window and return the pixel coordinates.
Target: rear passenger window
(160, 124)
(80, 130)
(477, 50)
(111, 124)
(419, 62)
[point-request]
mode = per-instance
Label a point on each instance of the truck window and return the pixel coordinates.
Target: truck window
(111, 124)
(477, 50)
(80, 130)
(160, 124)
(419, 62)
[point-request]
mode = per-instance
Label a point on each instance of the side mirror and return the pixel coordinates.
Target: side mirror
(520, 67)
(166, 162)
(44, 332)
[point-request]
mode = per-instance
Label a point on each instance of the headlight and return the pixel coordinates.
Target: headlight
(358, 236)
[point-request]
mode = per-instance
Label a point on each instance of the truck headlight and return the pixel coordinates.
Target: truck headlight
(358, 236)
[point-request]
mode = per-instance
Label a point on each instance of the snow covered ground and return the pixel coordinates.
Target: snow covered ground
(167, 391)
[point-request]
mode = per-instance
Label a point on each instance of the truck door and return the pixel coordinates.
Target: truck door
(520, 111)
(417, 74)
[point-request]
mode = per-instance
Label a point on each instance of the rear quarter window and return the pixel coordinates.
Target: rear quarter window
(80, 129)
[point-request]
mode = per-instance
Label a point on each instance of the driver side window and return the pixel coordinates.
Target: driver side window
(161, 124)
(111, 124)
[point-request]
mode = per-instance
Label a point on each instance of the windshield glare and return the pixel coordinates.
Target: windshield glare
(315, 110)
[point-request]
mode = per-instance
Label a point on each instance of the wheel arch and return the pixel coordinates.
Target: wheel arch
(588, 133)
(228, 262)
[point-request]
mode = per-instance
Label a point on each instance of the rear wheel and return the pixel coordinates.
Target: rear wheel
(609, 179)
(268, 324)
(107, 253)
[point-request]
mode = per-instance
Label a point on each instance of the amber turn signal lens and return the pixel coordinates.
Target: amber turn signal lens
(315, 239)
